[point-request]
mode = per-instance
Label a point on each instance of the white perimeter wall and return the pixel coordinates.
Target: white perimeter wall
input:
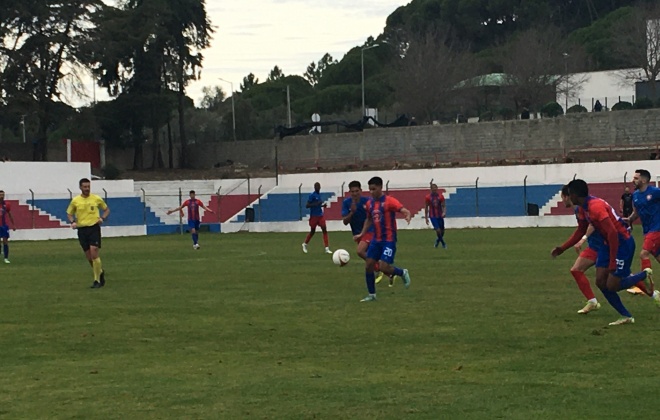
(488, 176)
(44, 177)
(56, 178)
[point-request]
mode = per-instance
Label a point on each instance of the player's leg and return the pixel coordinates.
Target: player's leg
(441, 231)
(4, 234)
(387, 264)
(436, 228)
(324, 230)
(584, 261)
(650, 248)
(313, 221)
(94, 254)
(373, 254)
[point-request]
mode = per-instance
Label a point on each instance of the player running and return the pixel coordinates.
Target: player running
(353, 212)
(316, 205)
(586, 258)
(614, 258)
(381, 214)
(193, 204)
(437, 209)
(5, 218)
(646, 207)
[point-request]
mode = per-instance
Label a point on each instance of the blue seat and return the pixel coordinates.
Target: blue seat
(498, 201)
(282, 207)
(125, 211)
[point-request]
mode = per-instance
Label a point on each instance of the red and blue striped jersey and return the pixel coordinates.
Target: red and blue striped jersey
(434, 201)
(595, 210)
(5, 208)
(382, 212)
(193, 206)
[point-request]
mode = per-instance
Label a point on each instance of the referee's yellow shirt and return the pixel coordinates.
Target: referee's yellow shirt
(86, 209)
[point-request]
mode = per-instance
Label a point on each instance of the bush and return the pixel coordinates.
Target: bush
(506, 113)
(110, 171)
(622, 106)
(486, 116)
(643, 103)
(575, 109)
(552, 109)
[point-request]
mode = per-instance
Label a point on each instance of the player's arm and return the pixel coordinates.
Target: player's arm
(406, 213)
(347, 213)
(70, 212)
(176, 209)
(612, 238)
(621, 205)
(426, 211)
(443, 205)
(633, 216)
(106, 213)
(578, 246)
(575, 237)
(202, 205)
(365, 227)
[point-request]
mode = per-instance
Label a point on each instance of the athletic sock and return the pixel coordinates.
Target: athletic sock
(371, 282)
(325, 239)
(5, 249)
(97, 268)
(614, 300)
(646, 263)
(583, 284)
(195, 238)
(398, 271)
(631, 280)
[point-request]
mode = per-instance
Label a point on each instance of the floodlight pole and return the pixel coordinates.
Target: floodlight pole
(364, 108)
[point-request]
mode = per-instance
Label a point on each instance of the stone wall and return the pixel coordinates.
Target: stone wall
(519, 141)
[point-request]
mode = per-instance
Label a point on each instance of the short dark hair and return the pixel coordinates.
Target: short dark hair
(192, 192)
(644, 174)
(578, 187)
(378, 181)
(354, 184)
(564, 190)
(82, 181)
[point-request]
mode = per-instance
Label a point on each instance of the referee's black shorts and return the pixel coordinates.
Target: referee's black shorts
(89, 236)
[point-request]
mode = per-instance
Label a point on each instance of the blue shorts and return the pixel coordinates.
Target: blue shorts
(437, 222)
(382, 251)
(193, 224)
(624, 257)
(4, 231)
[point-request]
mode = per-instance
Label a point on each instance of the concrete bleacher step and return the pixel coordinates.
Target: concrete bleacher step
(610, 192)
(23, 217)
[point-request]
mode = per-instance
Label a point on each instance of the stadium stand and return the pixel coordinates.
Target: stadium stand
(26, 218)
(282, 207)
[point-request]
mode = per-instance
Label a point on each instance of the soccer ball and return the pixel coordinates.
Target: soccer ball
(341, 257)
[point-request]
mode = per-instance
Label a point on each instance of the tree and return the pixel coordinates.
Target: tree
(213, 98)
(315, 71)
(275, 74)
(636, 40)
(426, 77)
(40, 41)
(147, 50)
(537, 63)
(248, 81)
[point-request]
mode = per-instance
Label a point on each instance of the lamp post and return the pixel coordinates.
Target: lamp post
(566, 81)
(233, 110)
(23, 127)
(364, 109)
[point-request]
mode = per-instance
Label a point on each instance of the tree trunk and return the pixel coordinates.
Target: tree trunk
(138, 156)
(157, 154)
(183, 159)
(170, 145)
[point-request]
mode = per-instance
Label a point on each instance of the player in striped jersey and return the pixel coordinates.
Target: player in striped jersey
(194, 220)
(381, 214)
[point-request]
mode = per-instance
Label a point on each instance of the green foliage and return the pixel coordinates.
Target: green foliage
(643, 103)
(111, 172)
(575, 109)
(598, 39)
(622, 106)
(552, 109)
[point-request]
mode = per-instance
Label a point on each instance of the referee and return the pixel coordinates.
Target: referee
(83, 214)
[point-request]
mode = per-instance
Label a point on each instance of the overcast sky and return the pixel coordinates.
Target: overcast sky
(252, 36)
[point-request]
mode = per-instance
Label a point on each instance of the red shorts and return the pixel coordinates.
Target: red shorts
(652, 243)
(367, 237)
(589, 254)
(315, 221)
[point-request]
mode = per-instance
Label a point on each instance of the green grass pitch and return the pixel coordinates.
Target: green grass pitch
(250, 327)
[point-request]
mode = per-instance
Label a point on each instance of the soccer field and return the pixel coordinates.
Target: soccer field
(250, 327)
